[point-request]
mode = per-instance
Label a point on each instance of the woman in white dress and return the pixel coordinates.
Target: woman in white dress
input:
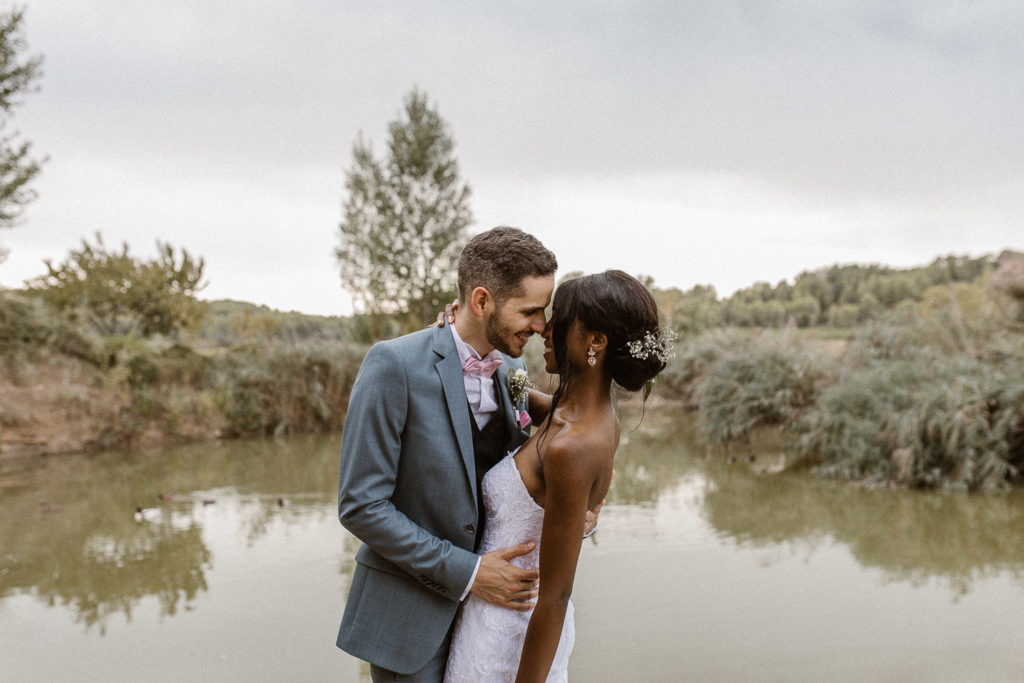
(604, 329)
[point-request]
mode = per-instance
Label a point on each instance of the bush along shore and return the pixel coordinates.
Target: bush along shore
(928, 395)
(248, 372)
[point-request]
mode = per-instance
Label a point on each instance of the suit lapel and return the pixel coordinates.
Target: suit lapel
(449, 369)
(506, 406)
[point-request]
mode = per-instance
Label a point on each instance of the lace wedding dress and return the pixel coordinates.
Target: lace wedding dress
(488, 640)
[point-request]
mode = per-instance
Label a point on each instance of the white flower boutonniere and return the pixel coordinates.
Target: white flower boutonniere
(518, 385)
(519, 390)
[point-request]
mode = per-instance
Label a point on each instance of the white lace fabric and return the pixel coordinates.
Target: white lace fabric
(488, 640)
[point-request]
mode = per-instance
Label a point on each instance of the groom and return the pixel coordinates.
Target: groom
(429, 414)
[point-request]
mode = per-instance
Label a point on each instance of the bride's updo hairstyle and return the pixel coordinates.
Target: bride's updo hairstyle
(619, 307)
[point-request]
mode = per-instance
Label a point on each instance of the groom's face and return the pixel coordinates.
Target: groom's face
(520, 317)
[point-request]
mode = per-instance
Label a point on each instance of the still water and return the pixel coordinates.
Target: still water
(236, 570)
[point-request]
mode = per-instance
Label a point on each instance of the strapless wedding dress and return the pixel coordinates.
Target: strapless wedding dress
(488, 640)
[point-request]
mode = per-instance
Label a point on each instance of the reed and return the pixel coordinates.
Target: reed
(284, 389)
(768, 380)
(695, 358)
(919, 424)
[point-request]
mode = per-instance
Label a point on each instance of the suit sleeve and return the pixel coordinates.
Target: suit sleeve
(370, 452)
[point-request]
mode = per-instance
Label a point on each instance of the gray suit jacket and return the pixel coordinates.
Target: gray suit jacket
(407, 490)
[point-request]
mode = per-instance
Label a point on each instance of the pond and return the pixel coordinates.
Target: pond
(226, 562)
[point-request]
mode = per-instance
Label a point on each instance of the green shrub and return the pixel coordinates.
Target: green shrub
(951, 320)
(694, 359)
(19, 327)
(958, 424)
(28, 327)
(181, 365)
(761, 383)
(142, 372)
(277, 390)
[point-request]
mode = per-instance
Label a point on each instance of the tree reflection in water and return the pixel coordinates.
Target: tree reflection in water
(69, 557)
(908, 535)
(70, 536)
(911, 536)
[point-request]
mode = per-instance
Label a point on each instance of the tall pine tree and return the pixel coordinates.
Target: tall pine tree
(405, 220)
(17, 76)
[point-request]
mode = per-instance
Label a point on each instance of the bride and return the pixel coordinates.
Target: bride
(604, 329)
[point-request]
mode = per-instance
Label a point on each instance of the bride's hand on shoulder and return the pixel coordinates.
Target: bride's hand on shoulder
(448, 314)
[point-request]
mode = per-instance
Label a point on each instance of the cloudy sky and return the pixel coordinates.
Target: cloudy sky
(697, 142)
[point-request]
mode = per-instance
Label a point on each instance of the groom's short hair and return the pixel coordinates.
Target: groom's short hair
(499, 259)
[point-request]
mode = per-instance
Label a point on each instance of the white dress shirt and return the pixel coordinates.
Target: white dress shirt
(480, 393)
(479, 390)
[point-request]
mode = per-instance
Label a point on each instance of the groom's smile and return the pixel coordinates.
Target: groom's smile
(520, 317)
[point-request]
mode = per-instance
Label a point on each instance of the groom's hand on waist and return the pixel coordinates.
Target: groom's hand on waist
(501, 583)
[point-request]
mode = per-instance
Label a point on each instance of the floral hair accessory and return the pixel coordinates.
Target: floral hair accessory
(660, 345)
(519, 385)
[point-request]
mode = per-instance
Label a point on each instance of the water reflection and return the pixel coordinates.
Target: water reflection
(97, 534)
(910, 536)
(243, 555)
(656, 452)
(108, 572)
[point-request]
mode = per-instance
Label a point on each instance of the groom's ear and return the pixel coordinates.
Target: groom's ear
(481, 301)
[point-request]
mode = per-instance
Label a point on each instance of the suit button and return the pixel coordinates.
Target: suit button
(470, 528)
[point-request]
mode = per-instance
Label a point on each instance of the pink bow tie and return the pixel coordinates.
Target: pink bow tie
(481, 367)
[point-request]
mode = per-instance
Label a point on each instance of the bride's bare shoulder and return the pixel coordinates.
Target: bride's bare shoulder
(575, 449)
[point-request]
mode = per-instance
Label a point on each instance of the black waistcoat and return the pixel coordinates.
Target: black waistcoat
(488, 449)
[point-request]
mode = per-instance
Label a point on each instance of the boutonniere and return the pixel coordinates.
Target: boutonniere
(519, 384)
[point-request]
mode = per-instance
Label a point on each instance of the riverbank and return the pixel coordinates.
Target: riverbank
(914, 402)
(53, 404)
(927, 395)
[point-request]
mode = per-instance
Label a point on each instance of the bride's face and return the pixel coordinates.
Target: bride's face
(550, 364)
(575, 343)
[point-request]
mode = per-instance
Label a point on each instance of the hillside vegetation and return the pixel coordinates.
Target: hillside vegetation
(909, 377)
(246, 371)
(928, 393)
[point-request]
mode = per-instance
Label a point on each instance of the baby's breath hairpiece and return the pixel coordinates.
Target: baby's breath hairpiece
(660, 345)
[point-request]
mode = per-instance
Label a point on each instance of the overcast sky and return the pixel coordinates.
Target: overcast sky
(697, 142)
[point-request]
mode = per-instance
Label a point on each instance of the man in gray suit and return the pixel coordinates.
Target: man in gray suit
(429, 413)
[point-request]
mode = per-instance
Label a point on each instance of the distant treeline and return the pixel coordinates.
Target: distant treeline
(231, 322)
(841, 296)
(838, 296)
